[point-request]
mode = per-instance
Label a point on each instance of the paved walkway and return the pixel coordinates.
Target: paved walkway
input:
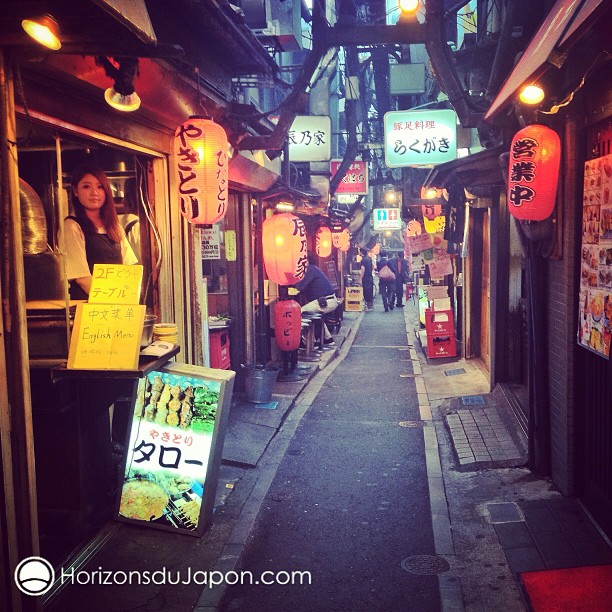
(350, 501)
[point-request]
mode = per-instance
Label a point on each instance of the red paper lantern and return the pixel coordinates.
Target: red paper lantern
(533, 173)
(323, 242)
(287, 325)
(342, 240)
(284, 248)
(200, 147)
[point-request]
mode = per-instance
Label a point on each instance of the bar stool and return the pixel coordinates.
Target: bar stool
(319, 330)
(308, 354)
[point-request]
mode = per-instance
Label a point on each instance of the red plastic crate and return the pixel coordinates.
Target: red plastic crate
(219, 349)
(439, 322)
(441, 346)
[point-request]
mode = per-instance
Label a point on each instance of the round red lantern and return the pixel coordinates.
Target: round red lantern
(284, 248)
(287, 325)
(200, 149)
(323, 242)
(533, 173)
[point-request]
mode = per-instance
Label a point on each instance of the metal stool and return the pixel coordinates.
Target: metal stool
(319, 330)
(308, 353)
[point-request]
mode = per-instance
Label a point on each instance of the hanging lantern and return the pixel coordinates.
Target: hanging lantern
(323, 242)
(533, 173)
(342, 240)
(200, 147)
(284, 248)
(287, 325)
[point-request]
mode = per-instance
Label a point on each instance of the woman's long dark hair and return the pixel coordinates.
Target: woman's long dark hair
(108, 212)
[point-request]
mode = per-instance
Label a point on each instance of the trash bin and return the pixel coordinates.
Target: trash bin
(259, 383)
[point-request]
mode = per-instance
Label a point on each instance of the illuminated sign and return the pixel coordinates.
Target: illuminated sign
(310, 139)
(174, 448)
(387, 218)
(420, 137)
(355, 180)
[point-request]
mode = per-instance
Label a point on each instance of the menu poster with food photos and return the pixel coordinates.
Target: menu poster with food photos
(595, 306)
(173, 452)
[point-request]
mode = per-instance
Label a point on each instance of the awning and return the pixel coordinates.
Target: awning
(566, 22)
(482, 168)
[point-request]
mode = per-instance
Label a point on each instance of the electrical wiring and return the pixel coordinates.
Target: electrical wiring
(602, 58)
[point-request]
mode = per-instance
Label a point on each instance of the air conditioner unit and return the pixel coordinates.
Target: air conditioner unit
(275, 22)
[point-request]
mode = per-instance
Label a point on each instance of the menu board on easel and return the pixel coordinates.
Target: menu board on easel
(108, 328)
(595, 305)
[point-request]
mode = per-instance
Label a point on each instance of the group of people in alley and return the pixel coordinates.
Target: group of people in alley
(392, 271)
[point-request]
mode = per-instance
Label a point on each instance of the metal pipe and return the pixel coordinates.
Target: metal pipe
(262, 325)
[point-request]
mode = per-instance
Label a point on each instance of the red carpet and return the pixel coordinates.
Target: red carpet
(578, 589)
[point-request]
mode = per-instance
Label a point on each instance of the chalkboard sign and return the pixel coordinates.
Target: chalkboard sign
(332, 274)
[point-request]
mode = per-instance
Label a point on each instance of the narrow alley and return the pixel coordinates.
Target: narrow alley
(350, 502)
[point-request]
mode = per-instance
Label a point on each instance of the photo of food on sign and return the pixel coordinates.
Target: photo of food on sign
(168, 450)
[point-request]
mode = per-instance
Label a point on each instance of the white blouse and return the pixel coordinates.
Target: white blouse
(76, 257)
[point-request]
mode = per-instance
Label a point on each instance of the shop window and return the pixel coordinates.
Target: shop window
(214, 267)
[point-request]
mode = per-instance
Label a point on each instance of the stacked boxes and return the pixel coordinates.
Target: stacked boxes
(440, 330)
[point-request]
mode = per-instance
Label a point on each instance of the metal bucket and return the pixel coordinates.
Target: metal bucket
(259, 383)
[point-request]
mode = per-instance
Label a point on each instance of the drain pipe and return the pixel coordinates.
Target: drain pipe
(442, 63)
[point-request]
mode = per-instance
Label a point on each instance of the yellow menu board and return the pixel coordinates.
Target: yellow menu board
(106, 337)
(230, 245)
(115, 284)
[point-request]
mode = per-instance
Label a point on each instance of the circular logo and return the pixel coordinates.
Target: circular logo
(34, 576)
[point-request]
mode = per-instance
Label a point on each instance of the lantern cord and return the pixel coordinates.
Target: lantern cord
(567, 100)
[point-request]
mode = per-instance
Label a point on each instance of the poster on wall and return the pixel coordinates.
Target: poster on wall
(174, 448)
(595, 305)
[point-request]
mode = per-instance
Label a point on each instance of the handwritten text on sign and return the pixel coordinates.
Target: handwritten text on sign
(106, 337)
(115, 284)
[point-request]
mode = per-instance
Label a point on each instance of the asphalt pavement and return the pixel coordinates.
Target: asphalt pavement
(387, 480)
(349, 508)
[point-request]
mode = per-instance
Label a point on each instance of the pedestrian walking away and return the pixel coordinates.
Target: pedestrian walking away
(318, 293)
(386, 281)
(367, 279)
(400, 268)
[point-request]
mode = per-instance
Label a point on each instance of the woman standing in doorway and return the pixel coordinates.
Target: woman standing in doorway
(93, 235)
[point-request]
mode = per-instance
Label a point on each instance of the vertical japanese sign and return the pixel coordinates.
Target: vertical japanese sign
(595, 305)
(420, 137)
(107, 330)
(355, 180)
(310, 139)
(174, 448)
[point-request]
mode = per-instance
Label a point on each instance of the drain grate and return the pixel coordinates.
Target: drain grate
(410, 424)
(425, 565)
(473, 400)
(454, 372)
